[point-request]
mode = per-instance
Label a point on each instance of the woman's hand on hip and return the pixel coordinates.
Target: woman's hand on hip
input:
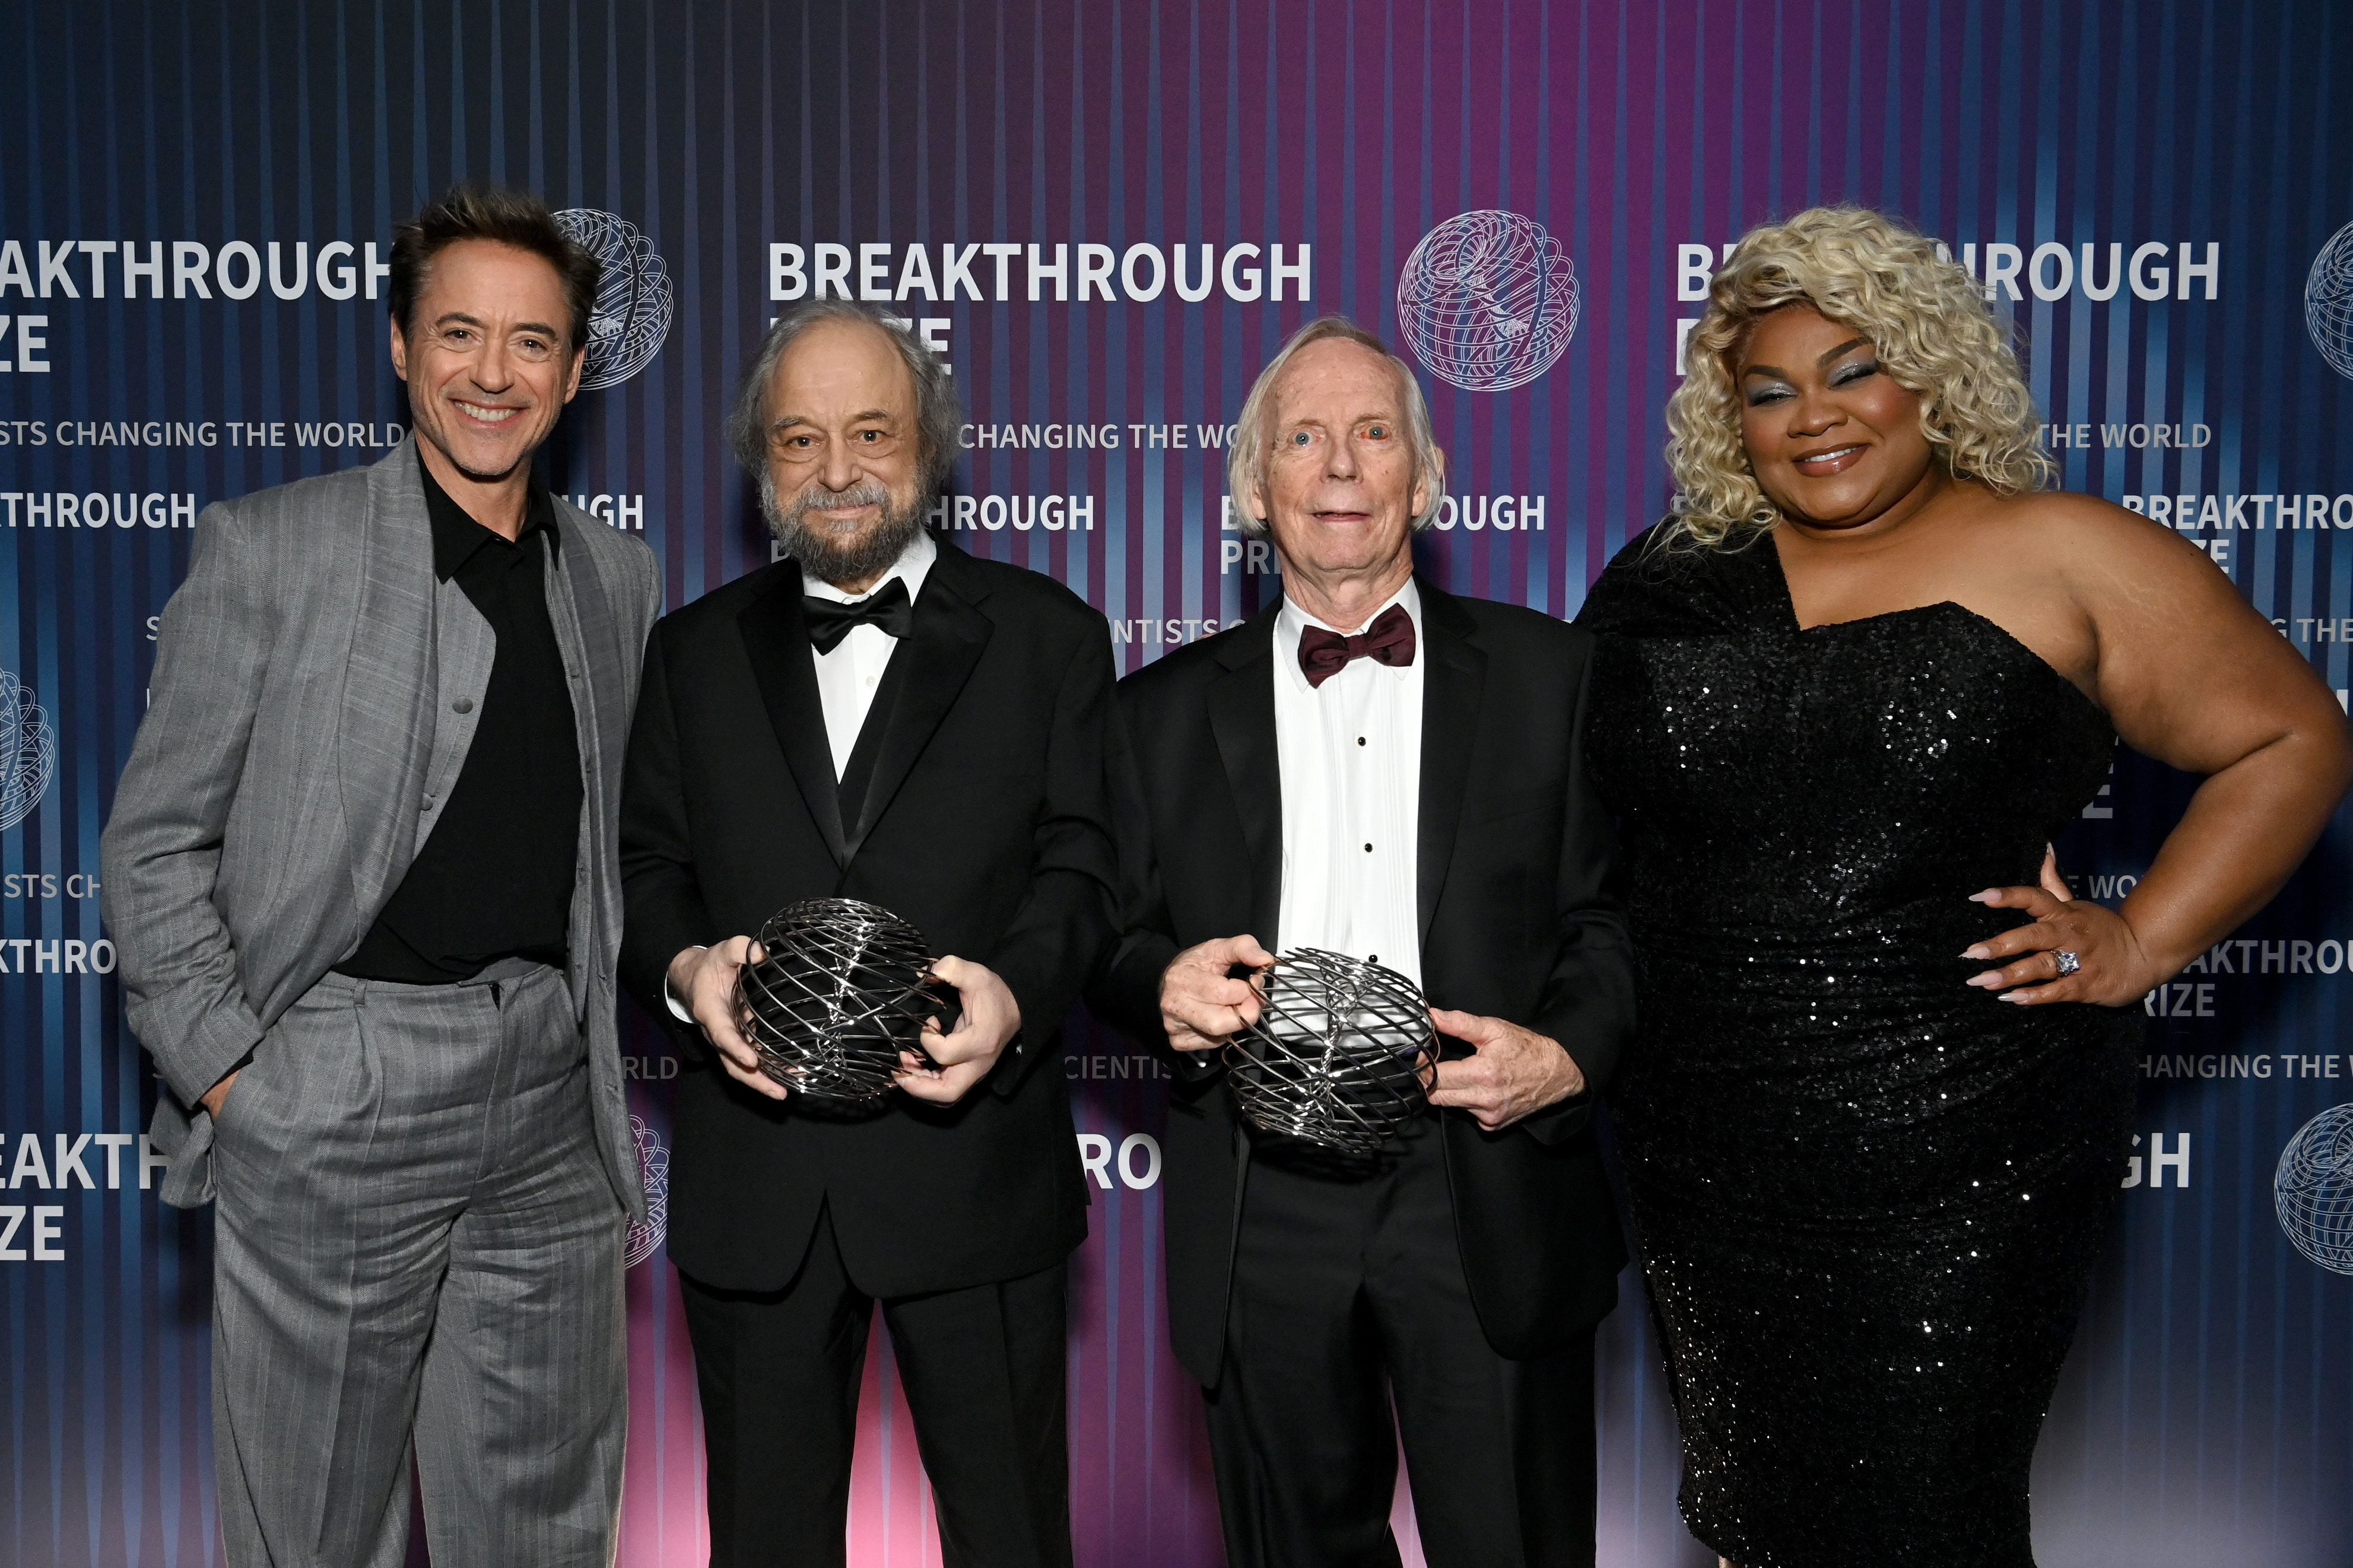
(2076, 950)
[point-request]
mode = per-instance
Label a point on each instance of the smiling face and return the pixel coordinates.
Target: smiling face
(1340, 494)
(485, 358)
(1834, 441)
(844, 492)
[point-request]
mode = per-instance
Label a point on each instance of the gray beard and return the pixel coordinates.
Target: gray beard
(839, 558)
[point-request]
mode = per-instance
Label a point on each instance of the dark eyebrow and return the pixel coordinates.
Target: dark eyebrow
(1775, 370)
(541, 328)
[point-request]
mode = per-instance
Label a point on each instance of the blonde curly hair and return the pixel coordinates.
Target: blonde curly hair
(1925, 316)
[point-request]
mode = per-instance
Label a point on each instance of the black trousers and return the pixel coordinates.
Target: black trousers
(1348, 1302)
(982, 1369)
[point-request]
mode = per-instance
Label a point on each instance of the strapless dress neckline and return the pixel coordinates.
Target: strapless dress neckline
(1867, 1195)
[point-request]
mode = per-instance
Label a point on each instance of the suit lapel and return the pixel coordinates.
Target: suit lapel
(926, 674)
(583, 638)
(1452, 684)
(389, 673)
(1241, 717)
(464, 649)
(776, 637)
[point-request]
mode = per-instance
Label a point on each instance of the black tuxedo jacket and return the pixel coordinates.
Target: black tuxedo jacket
(975, 807)
(1518, 922)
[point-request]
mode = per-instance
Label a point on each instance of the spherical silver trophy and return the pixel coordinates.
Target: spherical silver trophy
(1342, 1053)
(845, 986)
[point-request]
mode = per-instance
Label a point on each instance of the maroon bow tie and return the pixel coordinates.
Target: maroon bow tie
(1389, 639)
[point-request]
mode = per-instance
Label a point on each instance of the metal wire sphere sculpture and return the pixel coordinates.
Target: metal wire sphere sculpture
(644, 1235)
(634, 300)
(1488, 300)
(28, 751)
(1340, 1056)
(2312, 1189)
(2328, 302)
(845, 986)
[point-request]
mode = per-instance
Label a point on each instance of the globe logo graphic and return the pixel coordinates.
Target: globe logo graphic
(633, 297)
(1488, 300)
(31, 748)
(2314, 1189)
(2328, 302)
(653, 1165)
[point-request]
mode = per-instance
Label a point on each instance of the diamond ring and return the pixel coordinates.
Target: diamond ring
(2068, 963)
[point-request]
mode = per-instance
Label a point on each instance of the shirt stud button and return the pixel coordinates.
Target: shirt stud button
(463, 705)
(1368, 848)
(1360, 740)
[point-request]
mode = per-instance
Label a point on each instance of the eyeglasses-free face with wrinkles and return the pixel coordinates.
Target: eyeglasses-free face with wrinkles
(841, 417)
(1340, 492)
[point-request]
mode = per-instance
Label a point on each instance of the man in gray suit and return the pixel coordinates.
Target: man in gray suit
(361, 873)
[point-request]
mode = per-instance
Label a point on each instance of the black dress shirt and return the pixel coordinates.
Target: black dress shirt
(494, 879)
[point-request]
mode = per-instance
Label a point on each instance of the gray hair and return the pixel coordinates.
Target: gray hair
(938, 413)
(1246, 462)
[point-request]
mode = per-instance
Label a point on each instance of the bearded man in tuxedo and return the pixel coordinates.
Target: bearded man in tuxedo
(878, 716)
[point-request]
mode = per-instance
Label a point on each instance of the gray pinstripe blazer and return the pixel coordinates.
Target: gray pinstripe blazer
(298, 742)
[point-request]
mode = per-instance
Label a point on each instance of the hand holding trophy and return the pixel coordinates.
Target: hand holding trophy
(844, 988)
(1341, 1053)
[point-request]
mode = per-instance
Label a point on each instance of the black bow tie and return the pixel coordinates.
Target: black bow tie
(829, 620)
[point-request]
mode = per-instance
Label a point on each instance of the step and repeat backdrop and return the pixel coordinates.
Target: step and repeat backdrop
(1104, 214)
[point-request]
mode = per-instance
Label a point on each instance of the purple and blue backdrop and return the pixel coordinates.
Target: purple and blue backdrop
(1106, 215)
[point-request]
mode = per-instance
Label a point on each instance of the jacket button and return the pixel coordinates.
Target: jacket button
(463, 705)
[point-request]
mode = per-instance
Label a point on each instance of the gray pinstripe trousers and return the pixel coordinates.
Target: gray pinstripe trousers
(415, 1240)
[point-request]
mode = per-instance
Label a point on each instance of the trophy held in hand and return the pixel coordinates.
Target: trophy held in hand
(844, 988)
(1341, 1055)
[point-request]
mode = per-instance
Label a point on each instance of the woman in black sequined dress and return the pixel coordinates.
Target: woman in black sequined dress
(1843, 701)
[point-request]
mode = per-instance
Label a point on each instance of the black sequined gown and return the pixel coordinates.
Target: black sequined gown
(1867, 1195)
